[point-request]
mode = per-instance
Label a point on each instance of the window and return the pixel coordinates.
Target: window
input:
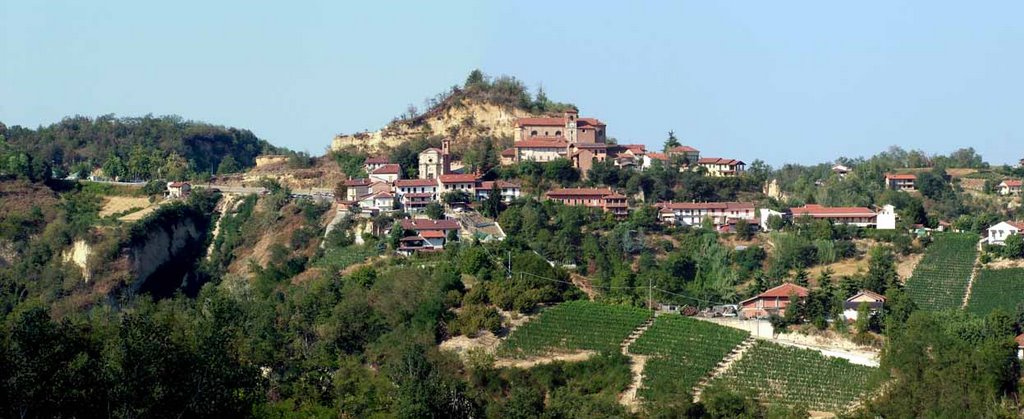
(558, 133)
(533, 133)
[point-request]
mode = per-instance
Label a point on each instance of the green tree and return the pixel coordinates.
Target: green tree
(434, 210)
(881, 270)
(228, 165)
(671, 142)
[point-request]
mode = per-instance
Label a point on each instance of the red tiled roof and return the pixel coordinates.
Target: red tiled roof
(867, 293)
(388, 169)
(424, 224)
(565, 192)
(819, 211)
(1018, 224)
(1020, 340)
(719, 160)
(177, 184)
(377, 160)
(583, 122)
(785, 290)
(432, 234)
(508, 152)
(458, 178)
(683, 149)
(635, 148)
(658, 156)
(1012, 182)
(901, 176)
(591, 145)
(415, 182)
(540, 144)
(358, 182)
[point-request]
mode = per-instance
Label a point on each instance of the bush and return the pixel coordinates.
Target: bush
(474, 318)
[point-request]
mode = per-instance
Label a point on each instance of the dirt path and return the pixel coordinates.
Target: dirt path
(637, 363)
(116, 204)
(583, 283)
(974, 275)
(832, 346)
(723, 366)
(541, 360)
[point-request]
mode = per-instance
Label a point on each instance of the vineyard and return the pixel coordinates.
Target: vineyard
(574, 325)
(793, 376)
(1003, 289)
(682, 351)
(940, 280)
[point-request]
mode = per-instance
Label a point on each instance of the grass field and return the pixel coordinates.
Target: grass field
(794, 376)
(997, 289)
(940, 280)
(574, 325)
(682, 351)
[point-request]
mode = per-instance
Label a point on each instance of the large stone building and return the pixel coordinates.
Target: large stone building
(580, 140)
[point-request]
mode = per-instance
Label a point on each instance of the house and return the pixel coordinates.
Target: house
(874, 301)
(425, 235)
(997, 234)
(694, 213)
(178, 190)
(886, 218)
(604, 198)
(457, 182)
(650, 158)
(627, 156)
(768, 213)
(434, 162)
(901, 181)
(1010, 187)
(772, 302)
(858, 216)
(378, 202)
(374, 163)
(690, 154)
(415, 194)
(356, 188)
(508, 156)
(840, 170)
(387, 173)
(719, 167)
(510, 191)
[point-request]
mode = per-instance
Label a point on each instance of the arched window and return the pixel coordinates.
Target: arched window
(558, 133)
(533, 133)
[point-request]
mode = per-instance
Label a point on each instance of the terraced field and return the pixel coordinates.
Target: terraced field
(940, 281)
(682, 351)
(794, 376)
(574, 325)
(997, 289)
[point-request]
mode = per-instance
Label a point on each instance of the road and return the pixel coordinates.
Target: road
(242, 190)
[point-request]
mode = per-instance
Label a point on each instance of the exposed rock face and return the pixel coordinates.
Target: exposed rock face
(166, 250)
(464, 121)
(79, 255)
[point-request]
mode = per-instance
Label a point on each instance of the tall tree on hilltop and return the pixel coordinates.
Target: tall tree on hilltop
(671, 142)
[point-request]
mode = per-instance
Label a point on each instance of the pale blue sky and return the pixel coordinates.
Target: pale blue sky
(782, 81)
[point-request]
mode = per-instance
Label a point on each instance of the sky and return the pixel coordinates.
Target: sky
(784, 82)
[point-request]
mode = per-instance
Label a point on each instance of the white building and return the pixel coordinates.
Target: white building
(178, 189)
(874, 301)
(694, 213)
(886, 218)
(387, 173)
(1010, 187)
(998, 233)
(765, 214)
(510, 191)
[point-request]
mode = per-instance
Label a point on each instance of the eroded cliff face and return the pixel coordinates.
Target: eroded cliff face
(163, 260)
(462, 122)
(79, 254)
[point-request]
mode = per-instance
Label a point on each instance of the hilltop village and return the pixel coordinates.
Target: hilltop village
(499, 255)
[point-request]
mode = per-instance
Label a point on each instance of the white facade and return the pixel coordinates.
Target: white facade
(765, 213)
(998, 233)
(1010, 187)
(886, 218)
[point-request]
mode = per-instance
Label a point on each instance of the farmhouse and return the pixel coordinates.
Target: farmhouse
(1010, 187)
(693, 213)
(900, 181)
(840, 170)
(415, 194)
(356, 188)
(604, 198)
(650, 158)
(378, 202)
(719, 167)
(508, 156)
(457, 182)
(773, 301)
(998, 233)
(874, 301)
(177, 190)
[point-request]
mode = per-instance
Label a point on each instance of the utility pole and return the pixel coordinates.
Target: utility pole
(509, 264)
(650, 292)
